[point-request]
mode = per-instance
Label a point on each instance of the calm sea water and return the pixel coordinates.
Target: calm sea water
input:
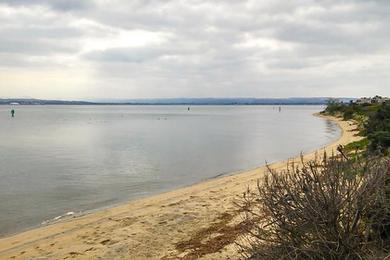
(57, 159)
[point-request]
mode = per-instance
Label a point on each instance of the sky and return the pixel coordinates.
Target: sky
(94, 49)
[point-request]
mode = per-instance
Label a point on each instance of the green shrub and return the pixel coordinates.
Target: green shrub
(348, 113)
(380, 141)
(377, 128)
(334, 107)
(357, 146)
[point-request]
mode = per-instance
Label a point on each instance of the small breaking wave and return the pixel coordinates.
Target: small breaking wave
(67, 215)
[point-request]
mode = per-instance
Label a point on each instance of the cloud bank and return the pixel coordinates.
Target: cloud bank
(194, 48)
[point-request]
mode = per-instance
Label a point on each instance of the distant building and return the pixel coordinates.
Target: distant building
(363, 100)
(374, 100)
(379, 99)
(14, 103)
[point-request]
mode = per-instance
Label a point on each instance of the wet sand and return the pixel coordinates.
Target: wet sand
(199, 221)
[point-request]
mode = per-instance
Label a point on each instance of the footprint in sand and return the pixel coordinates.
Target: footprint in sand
(90, 242)
(108, 242)
(105, 242)
(73, 254)
(90, 249)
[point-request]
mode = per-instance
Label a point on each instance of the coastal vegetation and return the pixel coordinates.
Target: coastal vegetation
(373, 120)
(336, 207)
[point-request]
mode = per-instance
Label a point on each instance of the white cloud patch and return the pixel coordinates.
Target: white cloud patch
(144, 48)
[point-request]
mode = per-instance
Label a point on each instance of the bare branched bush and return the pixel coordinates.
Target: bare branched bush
(329, 209)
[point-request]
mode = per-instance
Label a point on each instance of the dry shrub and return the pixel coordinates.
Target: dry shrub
(330, 209)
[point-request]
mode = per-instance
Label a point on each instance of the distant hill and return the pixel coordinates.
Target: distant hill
(31, 101)
(180, 101)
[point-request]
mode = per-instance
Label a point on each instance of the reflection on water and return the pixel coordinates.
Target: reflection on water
(331, 128)
(56, 159)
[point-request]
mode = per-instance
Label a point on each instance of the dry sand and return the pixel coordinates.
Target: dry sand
(199, 221)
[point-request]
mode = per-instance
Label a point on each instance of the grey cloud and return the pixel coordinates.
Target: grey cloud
(131, 55)
(35, 47)
(13, 60)
(39, 40)
(40, 32)
(60, 5)
(222, 47)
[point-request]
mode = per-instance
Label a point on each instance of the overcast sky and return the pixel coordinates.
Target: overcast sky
(70, 49)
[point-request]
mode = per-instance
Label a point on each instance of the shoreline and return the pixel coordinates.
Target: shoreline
(151, 227)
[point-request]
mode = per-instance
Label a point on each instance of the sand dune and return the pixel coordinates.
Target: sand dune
(197, 221)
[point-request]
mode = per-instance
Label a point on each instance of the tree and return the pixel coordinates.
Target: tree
(378, 128)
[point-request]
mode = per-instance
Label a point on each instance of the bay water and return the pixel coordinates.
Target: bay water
(59, 159)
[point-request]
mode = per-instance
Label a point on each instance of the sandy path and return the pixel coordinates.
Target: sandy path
(196, 221)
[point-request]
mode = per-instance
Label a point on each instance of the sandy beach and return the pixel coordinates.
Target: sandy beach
(199, 221)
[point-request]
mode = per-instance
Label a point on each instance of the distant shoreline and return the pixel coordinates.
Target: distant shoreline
(173, 104)
(176, 101)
